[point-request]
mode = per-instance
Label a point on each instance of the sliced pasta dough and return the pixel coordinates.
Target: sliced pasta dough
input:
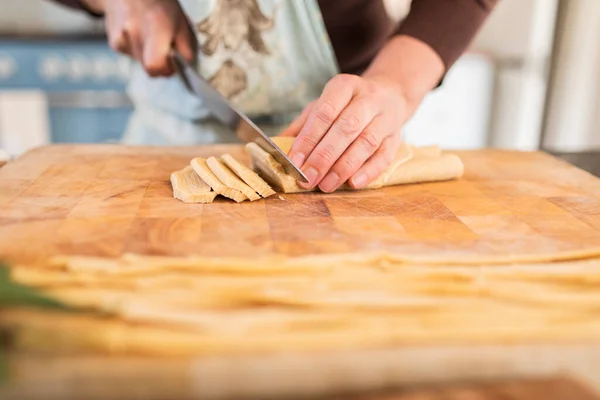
(271, 170)
(190, 188)
(230, 179)
(251, 178)
(199, 165)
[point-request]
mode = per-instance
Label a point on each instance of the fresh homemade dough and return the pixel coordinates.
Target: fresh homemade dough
(230, 179)
(271, 171)
(411, 165)
(199, 165)
(423, 169)
(404, 154)
(251, 178)
(190, 188)
(181, 306)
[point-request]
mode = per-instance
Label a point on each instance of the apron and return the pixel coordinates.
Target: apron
(269, 57)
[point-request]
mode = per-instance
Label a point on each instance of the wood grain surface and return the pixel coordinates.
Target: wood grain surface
(109, 200)
(541, 389)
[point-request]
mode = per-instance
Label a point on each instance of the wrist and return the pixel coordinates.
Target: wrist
(411, 64)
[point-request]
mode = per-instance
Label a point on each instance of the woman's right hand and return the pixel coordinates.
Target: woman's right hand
(147, 30)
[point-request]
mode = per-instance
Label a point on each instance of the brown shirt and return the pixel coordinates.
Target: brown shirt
(358, 29)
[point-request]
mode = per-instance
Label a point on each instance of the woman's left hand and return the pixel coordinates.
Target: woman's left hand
(351, 133)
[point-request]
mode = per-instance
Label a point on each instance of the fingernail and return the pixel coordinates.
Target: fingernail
(359, 180)
(330, 183)
(311, 174)
(298, 159)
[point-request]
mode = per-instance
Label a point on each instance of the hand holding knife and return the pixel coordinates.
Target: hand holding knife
(229, 115)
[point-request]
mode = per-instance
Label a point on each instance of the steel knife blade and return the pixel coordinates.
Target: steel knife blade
(229, 115)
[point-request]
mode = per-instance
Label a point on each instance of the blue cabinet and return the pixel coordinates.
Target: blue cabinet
(84, 81)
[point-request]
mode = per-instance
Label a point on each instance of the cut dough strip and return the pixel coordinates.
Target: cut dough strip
(230, 179)
(199, 165)
(271, 170)
(190, 188)
(251, 178)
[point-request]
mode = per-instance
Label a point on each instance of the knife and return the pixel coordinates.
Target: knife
(229, 115)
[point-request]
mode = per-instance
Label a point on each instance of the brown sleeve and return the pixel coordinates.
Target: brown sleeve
(448, 26)
(78, 5)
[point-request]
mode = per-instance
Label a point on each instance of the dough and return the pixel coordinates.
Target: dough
(251, 178)
(271, 171)
(424, 169)
(409, 305)
(230, 179)
(190, 188)
(427, 151)
(199, 165)
(404, 154)
(411, 165)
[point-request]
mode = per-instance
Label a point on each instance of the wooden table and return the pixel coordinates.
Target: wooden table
(109, 200)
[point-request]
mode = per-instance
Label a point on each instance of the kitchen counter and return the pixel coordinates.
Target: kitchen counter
(589, 160)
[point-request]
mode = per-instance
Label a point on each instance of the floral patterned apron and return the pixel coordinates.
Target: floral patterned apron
(269, 57)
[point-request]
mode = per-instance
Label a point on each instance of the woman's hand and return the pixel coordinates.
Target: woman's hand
(146, 30)
(351, 133)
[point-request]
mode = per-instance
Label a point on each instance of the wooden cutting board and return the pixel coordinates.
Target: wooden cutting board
(105, 200)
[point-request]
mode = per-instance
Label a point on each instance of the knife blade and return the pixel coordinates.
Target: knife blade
(229, 115)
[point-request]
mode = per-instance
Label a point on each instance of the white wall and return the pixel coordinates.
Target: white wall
(573, 122)
(519, 37)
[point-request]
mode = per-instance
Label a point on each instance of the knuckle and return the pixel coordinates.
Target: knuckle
(370, 141)
(349, 125)
(155, 68)
(347, 167)
(117, 42)
(325, 156)
(326, 113)
(132, 29)
(307, 141)
(346, 79)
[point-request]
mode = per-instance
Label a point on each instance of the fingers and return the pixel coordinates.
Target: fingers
(159, 33)
(294, 128)
(378, 163)
(338, 93)
(343, 132)
(185, 42)
(148, 31)
(356, 155)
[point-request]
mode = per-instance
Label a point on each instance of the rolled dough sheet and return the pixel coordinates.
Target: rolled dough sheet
(230, 179)
(199, 165)
(251, 178)
(405, 154)
(426, 169)
(190, 188)
(172, 333)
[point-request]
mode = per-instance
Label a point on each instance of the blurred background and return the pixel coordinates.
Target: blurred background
(529, 80)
